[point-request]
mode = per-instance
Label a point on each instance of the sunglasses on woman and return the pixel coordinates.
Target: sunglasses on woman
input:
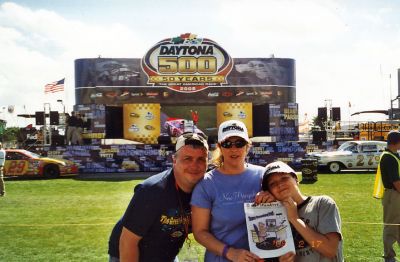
(238, 143)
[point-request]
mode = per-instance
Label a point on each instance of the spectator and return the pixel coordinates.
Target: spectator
(390, 173)
(77, 136)
(157, 220)
(72, 123)
(195, 117)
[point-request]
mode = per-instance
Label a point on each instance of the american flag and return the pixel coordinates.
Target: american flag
(55, 86)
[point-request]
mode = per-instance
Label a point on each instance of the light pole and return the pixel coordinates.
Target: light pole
(391, 114)
(46, 133)
(64, 117)
(60, 101)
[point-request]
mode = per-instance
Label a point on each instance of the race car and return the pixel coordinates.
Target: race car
(21, 162)
(351, 155)
(177, 126)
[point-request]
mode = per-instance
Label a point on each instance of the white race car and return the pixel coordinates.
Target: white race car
(351, 155)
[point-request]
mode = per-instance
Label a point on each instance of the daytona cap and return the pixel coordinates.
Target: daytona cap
(276, 167)
(191, 139)
(232, 128)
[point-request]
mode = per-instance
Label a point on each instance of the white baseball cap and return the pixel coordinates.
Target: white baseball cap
(232, 128)
(190, 139)
(276, 167)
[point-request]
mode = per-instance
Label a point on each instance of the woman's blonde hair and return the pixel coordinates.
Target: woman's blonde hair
(217, 157)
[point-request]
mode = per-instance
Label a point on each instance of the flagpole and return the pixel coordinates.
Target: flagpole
(65, 94)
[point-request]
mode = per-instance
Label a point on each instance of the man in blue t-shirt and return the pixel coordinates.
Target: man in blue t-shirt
(158, 218)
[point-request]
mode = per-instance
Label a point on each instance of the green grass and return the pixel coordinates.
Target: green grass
(353, 194)
(60, 220)
(70, 220)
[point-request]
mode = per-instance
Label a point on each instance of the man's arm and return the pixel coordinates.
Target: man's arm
(129, 246)
(135, 226)
(396, 185)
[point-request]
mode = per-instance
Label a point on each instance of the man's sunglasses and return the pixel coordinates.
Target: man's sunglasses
(238, 143)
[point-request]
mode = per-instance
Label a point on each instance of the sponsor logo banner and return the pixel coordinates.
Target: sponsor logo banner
(187, 64)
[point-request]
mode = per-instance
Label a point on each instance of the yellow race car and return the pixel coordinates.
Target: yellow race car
(21, 162)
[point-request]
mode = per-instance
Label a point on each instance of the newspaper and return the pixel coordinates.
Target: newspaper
(268, 229)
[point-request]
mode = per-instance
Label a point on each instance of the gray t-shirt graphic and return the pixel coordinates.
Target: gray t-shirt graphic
(322, 215)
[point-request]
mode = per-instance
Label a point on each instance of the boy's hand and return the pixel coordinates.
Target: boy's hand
(288, 257)
(291, 208)
(264, 197)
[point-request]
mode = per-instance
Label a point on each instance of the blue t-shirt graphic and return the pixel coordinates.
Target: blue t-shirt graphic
(224, 195)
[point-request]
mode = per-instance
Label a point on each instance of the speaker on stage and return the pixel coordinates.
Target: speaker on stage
(318, 137)
(54, 118)
(322, 117)
(39, 118)
(261, 120)
(114, 122)
(336, 113)
(322, 114)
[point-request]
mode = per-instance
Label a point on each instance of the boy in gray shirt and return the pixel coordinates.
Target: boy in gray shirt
(315, 220)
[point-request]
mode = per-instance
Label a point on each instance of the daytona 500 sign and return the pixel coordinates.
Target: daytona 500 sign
(187, 63)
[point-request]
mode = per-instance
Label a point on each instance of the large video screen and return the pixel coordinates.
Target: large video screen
(121, 81)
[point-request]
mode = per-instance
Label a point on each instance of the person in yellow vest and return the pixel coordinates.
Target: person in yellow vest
(390, 172)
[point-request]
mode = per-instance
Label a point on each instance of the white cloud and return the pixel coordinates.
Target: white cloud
(40, 46)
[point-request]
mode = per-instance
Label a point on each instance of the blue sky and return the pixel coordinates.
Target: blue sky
(344, 50)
